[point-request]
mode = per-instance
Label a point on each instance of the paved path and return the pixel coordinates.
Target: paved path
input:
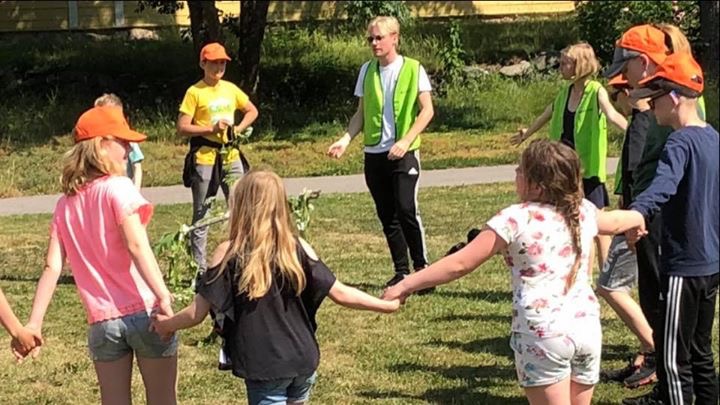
(328, 184)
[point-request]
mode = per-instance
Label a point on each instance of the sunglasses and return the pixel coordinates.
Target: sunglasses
(670, 93)
(615, 94)
(377, 38)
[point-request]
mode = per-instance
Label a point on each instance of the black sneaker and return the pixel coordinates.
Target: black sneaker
(651, 398)
(424, 291)
(398, 277)
(644, 375)
(619, 375)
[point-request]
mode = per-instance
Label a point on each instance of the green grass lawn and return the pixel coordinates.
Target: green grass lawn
(36, 169)
(448, 347)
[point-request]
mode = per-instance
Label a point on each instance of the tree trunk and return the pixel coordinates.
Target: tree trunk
(204, 23)
(709, 36)
(252, 21)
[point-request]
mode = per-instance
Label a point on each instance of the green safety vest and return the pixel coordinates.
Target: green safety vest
(590, 129)
(405, 104)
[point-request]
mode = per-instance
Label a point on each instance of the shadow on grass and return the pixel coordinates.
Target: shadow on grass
(616, 352)
(475, 382)
(479, 295)
(474, 317)
(63, 279)
(497, 346)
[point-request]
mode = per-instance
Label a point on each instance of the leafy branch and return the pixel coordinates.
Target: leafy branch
(174, 247)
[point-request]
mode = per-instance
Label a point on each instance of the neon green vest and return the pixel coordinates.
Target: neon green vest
(590, 129)
(405, 104)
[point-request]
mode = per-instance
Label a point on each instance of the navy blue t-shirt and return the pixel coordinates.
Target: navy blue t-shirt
(686, 190)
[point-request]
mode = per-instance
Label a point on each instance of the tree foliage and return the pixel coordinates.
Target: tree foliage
(601, 23)
(360, 12)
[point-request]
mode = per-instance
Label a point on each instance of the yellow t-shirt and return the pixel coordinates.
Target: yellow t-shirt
(209, 104)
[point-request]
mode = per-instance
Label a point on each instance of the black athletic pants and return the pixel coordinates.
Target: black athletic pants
(648, 259)
(684, 342)
(393, 185)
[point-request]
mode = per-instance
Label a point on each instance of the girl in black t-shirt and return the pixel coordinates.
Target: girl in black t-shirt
(264, 286)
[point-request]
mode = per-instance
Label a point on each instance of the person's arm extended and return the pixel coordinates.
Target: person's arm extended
(188, 317)
(619, 221)
(525, 133)
(47, 283)
(250, 114)
(421, 122)
(452, 267)
(7, 317)
(24, 339)
(142, 255)
(351, 297)
(669, 173)
(610, 112)
(137, 175)
(354, 127)
(185, 127)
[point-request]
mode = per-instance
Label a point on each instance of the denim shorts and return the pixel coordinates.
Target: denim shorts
(620, 271)
(114, 338)
(282, 391)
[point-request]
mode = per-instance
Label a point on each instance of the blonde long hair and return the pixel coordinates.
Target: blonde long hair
(586, 63)
(675, 40)
(85, 162)
(555, 169)
(262, 235)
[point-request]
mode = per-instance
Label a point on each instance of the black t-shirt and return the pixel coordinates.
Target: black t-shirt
(568, 133)
(633, 146)
(271, 337)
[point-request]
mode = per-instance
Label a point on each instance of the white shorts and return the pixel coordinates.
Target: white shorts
(546, 361)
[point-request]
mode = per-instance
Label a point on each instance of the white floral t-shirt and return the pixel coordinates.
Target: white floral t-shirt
(540, 256)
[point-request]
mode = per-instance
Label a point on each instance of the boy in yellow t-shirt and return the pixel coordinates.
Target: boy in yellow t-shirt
(206, 113)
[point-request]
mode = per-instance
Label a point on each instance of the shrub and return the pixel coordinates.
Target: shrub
(360, 12)
(601, 23)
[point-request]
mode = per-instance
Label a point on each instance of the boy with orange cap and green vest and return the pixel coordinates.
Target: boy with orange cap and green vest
(206, 114)
(395, 106)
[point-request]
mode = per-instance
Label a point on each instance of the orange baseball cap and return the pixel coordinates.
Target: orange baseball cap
(639, 40)
(213, 51)
(680, 73)
(105, 121)
(618, 82)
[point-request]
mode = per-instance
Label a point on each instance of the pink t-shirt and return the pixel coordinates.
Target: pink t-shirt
(88, 227)
(540, 256)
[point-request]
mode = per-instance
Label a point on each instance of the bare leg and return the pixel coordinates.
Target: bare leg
(160, 378)
(631, 314)
(581, 394)
(554, 394)
(114, 378)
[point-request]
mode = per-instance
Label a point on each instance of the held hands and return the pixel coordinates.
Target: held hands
(160, 325)
(634, 235)
(395, 293)
(519, 137)
(27, 341)
(162, 313)
(391, 306)
(338, 148)
(398, 150)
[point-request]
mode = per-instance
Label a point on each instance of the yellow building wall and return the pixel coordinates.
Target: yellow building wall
(54, 15)
(33, 15)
